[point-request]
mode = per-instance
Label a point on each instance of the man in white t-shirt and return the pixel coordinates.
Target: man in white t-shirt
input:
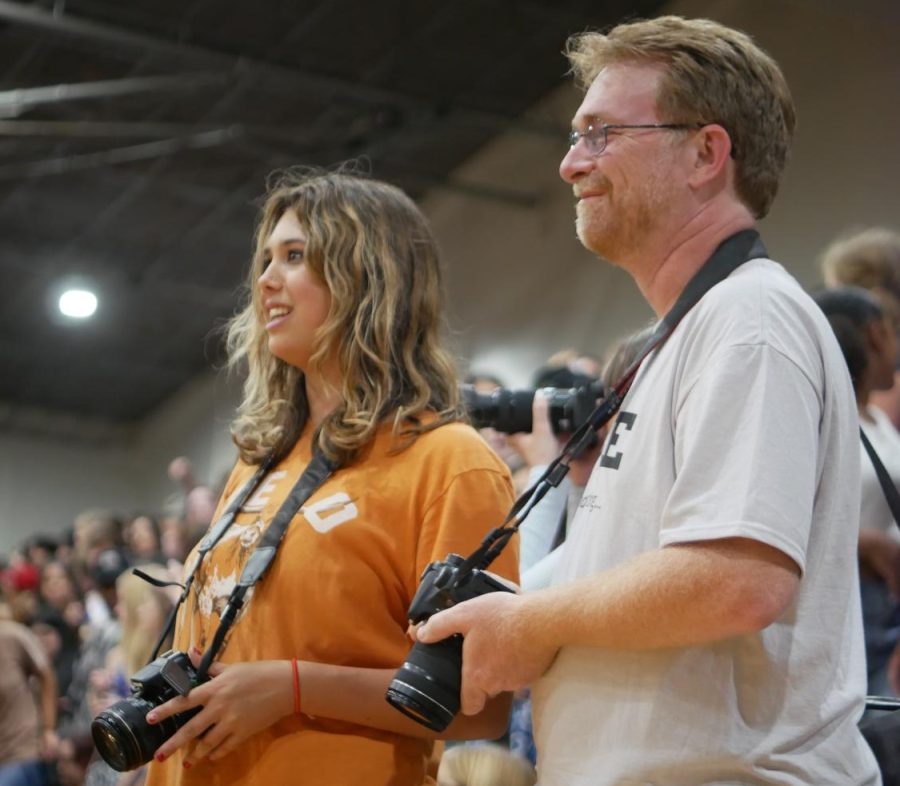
(704, 626)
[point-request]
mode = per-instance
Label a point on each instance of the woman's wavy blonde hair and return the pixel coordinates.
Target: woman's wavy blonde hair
(374, 251)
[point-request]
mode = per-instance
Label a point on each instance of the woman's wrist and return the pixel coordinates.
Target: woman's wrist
(295, 672)
(276, 686)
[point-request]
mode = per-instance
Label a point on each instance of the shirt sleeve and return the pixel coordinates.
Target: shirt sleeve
(33, 657)
(474, 502)
(746, 452)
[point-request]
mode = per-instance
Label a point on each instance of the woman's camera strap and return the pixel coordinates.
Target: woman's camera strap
(319, 469)
(728, 256)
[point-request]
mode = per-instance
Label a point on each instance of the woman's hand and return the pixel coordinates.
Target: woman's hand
(240, 700)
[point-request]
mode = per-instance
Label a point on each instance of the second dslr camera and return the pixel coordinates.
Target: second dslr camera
(509, 411)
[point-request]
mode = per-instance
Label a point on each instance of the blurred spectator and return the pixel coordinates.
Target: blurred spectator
(173, 539)
(143, 539)
(39, 549)
(867, 337)
(65, 546)
(19, 584)
(200, 500)
(60, 642)
(141, 609)
(27, 726)
(576, 362)
(96, 532)
(102, 636)
(870, 259)
(59, 590)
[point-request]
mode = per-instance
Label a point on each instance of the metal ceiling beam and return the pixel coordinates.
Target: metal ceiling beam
(119, 155)
(333, 87)
(90, 129)
(64, 427)
(14, 102)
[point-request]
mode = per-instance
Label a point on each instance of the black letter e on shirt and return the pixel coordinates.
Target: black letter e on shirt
(609, 458)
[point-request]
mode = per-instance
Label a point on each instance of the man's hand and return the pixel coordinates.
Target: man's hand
(240, 700)
(500, 652)
(50, 745)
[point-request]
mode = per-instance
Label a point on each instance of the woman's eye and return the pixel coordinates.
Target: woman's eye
(295, 255)
(266, 261)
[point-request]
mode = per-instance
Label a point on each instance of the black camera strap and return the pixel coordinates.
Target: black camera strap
(316, 473)
(728, 256)
(213, 536)
(888, 488)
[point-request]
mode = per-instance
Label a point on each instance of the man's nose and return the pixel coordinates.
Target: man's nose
(576, 163)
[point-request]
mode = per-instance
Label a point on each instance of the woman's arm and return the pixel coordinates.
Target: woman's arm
(242, 699)
(356, 695)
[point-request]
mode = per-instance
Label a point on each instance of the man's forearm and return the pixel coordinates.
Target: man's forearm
(678, 596)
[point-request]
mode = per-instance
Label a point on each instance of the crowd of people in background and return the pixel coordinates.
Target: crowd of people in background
(76, 623)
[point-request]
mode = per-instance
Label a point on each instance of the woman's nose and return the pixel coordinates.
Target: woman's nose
(268, 279)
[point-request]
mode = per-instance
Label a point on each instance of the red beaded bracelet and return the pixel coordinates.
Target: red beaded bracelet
(296, 686)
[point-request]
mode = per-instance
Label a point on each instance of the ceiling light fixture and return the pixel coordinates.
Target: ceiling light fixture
(78, 303)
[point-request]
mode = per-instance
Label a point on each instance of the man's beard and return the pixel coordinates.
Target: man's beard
(618, 224)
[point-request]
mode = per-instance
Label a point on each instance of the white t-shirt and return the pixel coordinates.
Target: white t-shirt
(874, 512)
(743, 424)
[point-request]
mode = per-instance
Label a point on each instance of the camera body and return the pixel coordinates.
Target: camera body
(426, 687)
(509, 411)
(121, 733)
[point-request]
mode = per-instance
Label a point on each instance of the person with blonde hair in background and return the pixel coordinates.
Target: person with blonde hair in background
(484, 765)
(870, 258)
(141, 609)
(342, 338)
(704, 623)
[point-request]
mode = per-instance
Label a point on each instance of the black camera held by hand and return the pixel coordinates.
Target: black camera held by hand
(509, 411)
(426, 687)
(121, 733)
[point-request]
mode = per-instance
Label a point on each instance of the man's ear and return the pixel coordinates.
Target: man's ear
(712, 151)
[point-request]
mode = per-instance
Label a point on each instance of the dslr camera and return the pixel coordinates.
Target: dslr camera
(426, 687)
(121, 733)
(509, 411)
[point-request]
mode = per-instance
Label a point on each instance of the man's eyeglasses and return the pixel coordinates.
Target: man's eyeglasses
(596, 137)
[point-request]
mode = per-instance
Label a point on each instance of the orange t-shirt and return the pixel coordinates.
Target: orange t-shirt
(338, 593)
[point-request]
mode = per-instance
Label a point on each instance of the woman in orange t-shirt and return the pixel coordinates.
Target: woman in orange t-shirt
(341, 336)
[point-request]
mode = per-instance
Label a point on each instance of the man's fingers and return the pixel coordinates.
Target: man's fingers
(440, 626)
(472, 698)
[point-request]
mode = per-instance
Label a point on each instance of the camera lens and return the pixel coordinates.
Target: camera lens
(123, 737)
(507, 411)
(426, 687)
